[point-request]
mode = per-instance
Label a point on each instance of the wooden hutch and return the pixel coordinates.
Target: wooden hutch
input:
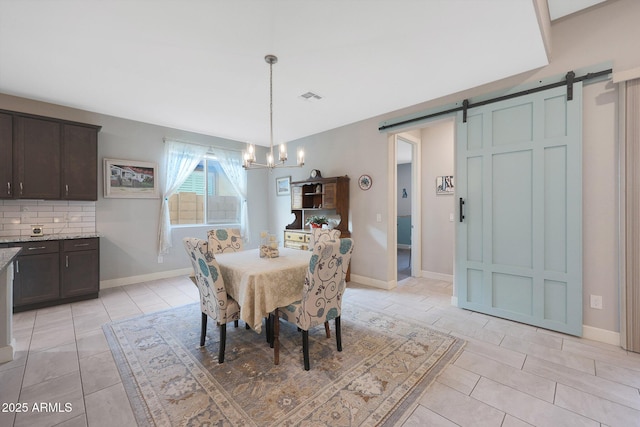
(317, 196)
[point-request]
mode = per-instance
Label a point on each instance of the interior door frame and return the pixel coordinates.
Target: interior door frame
(416, 208)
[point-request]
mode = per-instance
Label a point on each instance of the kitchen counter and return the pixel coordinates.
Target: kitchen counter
(7, 344)
(15, 239)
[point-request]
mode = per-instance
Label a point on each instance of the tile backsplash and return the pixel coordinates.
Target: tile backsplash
(55, 216)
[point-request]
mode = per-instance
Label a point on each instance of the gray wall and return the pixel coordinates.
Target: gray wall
(129, 227)
(437, 231)
(404, 182)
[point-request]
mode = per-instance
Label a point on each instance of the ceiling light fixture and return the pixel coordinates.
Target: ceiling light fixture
(249, 156)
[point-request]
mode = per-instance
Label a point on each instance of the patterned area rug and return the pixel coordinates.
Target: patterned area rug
(385, 366)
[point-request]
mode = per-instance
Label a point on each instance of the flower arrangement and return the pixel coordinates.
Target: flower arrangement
(268, 245)
(317, 221)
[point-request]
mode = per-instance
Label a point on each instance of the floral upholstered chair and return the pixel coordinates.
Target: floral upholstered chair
(214, 301)
(223, 240)
(322, 292)
(321, 235)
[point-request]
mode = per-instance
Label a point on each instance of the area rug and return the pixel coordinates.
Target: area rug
(386, 364)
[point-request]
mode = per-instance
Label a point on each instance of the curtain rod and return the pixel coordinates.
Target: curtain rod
(213, 147)
(569, 80)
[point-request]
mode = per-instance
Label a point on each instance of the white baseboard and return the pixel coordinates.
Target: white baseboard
(374, 282)
(437, 276)
(601, 335)
(123, 281)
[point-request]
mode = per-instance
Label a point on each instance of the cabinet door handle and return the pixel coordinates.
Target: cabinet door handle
(66, 261)
(34, 248)
(8, 188)
(66, 189)
(81, 244)
(21, 188)
(461, 209)
(17, 266)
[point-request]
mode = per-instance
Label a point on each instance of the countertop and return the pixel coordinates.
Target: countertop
(6, 256)
(16, 239)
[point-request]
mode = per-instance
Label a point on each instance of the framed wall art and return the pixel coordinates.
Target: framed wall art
(444, 184)
(283, 186)
(130, 179)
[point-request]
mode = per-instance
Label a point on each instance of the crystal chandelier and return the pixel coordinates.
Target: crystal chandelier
(249, 155)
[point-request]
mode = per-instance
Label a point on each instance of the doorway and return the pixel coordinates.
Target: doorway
(429, 251)
(404, 160)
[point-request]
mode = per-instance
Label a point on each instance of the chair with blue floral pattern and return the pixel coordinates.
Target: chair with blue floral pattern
(214, 301)
(322, 292)
(223, 240)
(321, 235)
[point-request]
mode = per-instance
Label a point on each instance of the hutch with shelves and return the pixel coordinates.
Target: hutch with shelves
(317, 196)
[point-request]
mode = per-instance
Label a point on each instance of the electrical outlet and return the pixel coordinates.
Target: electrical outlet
(160, 259)
(450, 217)
(596, 302)
(378, 217)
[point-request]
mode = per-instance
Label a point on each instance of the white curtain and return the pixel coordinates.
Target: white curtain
(231, 164)
(180, 160)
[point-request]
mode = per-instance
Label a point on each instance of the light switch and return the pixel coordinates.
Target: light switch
(378, 217)
(450, 217)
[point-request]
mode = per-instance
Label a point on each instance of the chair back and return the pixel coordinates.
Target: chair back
(224, 240)
(324, 283)
(213, 294)
(322, 235)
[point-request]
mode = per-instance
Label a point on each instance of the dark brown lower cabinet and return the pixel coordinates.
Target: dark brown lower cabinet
(80, 270)
(55, 272)
(36, 273)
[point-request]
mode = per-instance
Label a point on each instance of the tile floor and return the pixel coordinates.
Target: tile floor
(509, 374)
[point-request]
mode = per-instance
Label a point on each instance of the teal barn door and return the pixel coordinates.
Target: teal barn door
(519, 225)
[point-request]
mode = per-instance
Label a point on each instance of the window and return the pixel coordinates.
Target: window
(206, 197)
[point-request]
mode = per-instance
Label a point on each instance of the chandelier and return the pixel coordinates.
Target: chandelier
(249, 155)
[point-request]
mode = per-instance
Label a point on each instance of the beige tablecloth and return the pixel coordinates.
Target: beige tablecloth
(260, 285)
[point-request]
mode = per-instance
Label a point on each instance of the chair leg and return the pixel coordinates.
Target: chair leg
(305, 349)
(235, 323)
(246, 326)
(203, 331)
(327, 329)
(338, 334)
(270, 322)
(276, 338)
(223, 341)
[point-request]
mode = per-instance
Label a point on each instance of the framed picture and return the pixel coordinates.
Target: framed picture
(130, 179)
(283, 186)
(444, 184)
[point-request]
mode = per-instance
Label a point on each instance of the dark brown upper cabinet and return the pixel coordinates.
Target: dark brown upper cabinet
(6, 156)
(52, 159)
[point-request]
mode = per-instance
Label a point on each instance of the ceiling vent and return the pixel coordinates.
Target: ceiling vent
(310, 96)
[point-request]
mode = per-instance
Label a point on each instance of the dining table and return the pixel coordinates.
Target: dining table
(260, 285)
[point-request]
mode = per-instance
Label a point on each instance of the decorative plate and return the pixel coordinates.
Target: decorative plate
(365, 182)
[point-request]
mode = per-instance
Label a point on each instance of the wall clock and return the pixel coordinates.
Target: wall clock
(365, 182)
(315, 173)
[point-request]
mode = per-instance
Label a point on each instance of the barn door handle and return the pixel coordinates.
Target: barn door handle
(461, 209)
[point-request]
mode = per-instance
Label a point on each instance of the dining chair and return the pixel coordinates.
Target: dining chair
(224, 240)
(214, 301)
(322, 292)
(321, 235)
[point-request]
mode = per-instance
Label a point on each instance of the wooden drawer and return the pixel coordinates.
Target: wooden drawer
(38, 247)
(296, 236)
(80, 244)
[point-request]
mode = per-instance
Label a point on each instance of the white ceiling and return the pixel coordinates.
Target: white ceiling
(198, 65)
